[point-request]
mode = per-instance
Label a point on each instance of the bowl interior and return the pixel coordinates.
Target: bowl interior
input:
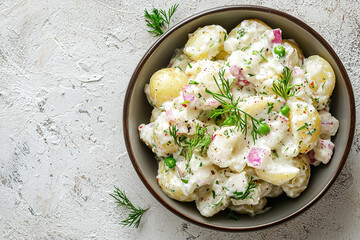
(138, 111)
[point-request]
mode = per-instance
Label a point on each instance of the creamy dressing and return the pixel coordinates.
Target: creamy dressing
(234, 169)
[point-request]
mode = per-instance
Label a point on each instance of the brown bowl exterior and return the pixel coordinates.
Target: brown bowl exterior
(137, 111)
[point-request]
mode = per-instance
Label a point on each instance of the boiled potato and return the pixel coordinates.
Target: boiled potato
(211, 200)
(166, 84)
(275, 191)
(171, 184)
(321, 78)
(277, 173)
(261, 23)
(162, 139)
(205, 42)
(289, 44)
(305, 125)
(298, 184)
(258, 106)
(222, 55)
(179, 60)
(249, 209)
(262, 189)
(241, 37)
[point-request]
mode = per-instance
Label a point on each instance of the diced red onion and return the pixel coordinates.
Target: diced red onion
(255, 157)
(213, 137)
(179, 171)
(277, 35)
(327, 123)
(186, 95)
(327, 144)
(170, 116)
(213, 103)
(311, 155)
(236, 72)
(298, 71)
(284, 118)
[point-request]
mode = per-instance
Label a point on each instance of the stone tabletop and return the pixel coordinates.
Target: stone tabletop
(64, 69)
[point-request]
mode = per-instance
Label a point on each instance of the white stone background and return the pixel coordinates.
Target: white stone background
(64, 70)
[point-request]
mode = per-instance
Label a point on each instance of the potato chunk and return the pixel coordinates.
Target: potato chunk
(321, 79)
(298, 184)
(305, 125)
(205, 43)
(166, 84)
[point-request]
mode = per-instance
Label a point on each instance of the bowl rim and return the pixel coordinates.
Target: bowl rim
(222, 9)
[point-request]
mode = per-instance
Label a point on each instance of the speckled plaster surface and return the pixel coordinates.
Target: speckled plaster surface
(64, 69)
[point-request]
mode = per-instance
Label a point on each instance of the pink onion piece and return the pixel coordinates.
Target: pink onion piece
(179, 171)
(284, 118)
(298, 71)
(327, 144)
(311, 155)
(255, 157)
(213, 137)
(277, 35)
(236, 72)
(213, 103)
(170, 116)
(327, 123)
(186, 94)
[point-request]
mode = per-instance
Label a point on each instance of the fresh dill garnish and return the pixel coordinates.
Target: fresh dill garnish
(219, 202)
(200, 141)
(134, 217)
(229, 107)
(284, 88)
(158, 18)
(246, 194)
(193, 82)
(305, 126)
(271, 106)
(173, 132)
(185, 102)
(263, 58)
(178, 68)
(241, 32)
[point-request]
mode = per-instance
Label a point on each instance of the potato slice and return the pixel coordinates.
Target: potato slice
(299, 52)
(205, 42)
(305, 125)
(298, 184)
(277, 173)
(171, 184)
(321, 78)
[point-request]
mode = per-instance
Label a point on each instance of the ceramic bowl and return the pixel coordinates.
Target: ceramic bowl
(137, 111)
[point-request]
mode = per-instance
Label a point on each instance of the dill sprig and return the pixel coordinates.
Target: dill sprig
(229, 106)
(158, 18)
(283, 88)
(246, 194)
(134, 217)
(200, 141)
(173, 132)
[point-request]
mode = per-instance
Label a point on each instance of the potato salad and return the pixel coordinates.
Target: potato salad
(238, 118)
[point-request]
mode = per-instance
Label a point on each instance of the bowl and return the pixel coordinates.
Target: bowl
(137, 111)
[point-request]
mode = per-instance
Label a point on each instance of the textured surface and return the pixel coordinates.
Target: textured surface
(64, 69)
